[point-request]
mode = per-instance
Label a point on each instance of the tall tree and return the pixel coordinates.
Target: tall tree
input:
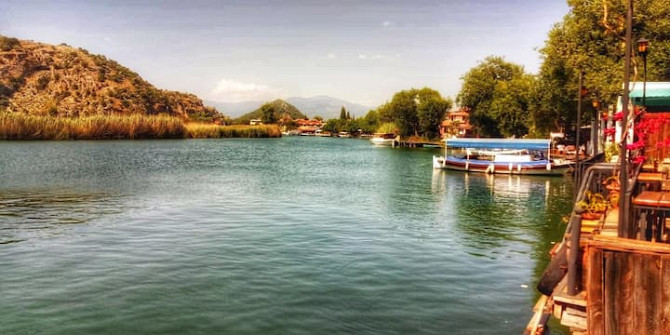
(415, 112)
(497, 94)
(268, 113)
(431, 109)
(343, 113)
(590, 39)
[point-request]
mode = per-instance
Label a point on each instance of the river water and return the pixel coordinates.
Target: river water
(265, 236)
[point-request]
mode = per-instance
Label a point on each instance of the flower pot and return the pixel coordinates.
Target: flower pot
(591, 216)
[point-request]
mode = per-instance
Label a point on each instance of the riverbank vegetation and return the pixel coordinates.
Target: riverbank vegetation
(17, 126)
(413, 112)
(208, 130)
(504, 100)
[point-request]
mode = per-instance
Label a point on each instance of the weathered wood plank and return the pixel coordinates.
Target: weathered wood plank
(639, 295)
(628, 245)
(653, 284)
(610, 293)
(665, 296)
(594, 295)
(625, 305)
(573, 321)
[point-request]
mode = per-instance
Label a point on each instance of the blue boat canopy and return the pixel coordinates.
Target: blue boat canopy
(498, 143)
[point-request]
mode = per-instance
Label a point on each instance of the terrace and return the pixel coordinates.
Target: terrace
(611, 272)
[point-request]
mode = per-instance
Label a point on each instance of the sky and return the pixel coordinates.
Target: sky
(231, 51)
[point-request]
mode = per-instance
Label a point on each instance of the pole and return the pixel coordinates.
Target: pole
(579, 126)
(594, 133)
(623, 154)
(644, 83)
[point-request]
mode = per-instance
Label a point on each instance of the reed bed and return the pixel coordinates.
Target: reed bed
(16, 126)
(201, 130)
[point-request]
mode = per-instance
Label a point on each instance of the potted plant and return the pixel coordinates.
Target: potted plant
(593, 206)
(612, 183)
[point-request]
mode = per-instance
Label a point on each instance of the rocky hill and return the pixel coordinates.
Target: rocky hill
(59, 80)
(281, 109)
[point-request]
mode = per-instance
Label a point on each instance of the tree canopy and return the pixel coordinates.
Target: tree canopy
(590, 39)
(499, 95)
(416, 111)
(505, 101)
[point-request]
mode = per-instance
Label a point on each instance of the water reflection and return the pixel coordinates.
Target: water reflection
(28, 214)
(492, 210)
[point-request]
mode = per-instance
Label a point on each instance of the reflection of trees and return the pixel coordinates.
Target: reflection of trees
(494, 210)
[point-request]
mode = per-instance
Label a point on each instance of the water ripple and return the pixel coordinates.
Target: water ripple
(25, 215)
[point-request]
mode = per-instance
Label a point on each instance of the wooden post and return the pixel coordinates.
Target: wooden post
(573, 255)
(624, 208)
(578, 169)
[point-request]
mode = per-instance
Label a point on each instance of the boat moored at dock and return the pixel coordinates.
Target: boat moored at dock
(383, 139)
(506, 156)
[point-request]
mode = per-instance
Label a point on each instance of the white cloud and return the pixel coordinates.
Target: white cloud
(370, 57)
(387, 23)
(229, 90)
(331, 56)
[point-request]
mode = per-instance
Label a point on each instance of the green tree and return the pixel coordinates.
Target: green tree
(415, 112)
(318, 117)
(268, 113)
(334, 125)
(431, 109)
(343, 113)
(370, 122)
(590, 39)
(497, 93)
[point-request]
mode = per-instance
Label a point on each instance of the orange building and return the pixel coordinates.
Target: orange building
(456, 123)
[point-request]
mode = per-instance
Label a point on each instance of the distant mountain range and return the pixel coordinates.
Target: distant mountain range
(324, 106)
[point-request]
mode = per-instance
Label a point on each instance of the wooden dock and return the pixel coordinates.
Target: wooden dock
(416, 144)
(621, 284)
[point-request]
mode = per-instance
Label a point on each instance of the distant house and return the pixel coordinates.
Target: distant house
(456, 123)
(309, 127)
(254, 122)
(309, 123)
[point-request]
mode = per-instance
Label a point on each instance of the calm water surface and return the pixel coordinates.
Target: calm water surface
(278, 236)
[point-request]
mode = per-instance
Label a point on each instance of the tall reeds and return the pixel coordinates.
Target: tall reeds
(200, 130)
(17, 126)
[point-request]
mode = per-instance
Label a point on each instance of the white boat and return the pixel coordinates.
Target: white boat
(383, 139)
(526, 157)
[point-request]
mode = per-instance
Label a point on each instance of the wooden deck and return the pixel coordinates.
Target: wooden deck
(625, 282)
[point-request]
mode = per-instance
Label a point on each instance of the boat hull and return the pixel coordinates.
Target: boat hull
(382, 142)
(520, 168)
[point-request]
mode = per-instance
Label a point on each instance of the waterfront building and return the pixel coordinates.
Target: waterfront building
(456, 123)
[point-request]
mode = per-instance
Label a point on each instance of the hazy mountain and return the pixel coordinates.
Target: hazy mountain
(327, 107)
(235, 109)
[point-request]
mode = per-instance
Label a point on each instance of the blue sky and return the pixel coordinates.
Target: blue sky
(361, 51)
